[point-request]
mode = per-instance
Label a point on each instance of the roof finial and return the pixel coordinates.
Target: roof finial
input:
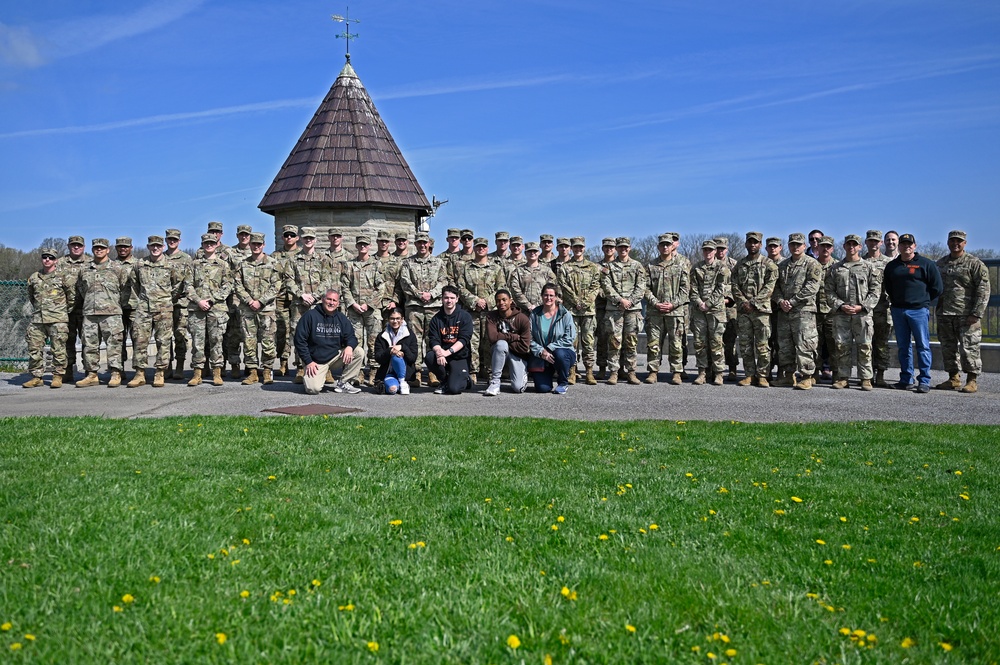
(346, 35)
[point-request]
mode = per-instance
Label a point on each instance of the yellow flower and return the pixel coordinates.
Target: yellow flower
(845, 631)
(15, 646)
(945, 646)
(723, 490)
(796, 499)
(779, 512)
(820, 542)
(560, 519)
(291, 592)
(963, 496)
(509, 539)
(220, 638)
(696, 648)
(547, 660)
(128, 598)
(731, 652)
(244, 594)
(689, 475)
(349, 607)
(828, 562)
(603, 536)
(234, 562)
(29, 637)
(711, 655)
(246, 541)
(395, 522)
(412, 546)
(116, 608)
(843, 519)
(654, 527)
(513, 642)
(317, 583)
(373, 647)
(846, 547)
(6, 626)
(555, 527)
(630, 628)
(488, 500)
(421, 543)
(642, 530)
(907, 642)
(272, 478)
(914, 519)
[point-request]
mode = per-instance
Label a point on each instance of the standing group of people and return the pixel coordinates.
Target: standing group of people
(525, 309)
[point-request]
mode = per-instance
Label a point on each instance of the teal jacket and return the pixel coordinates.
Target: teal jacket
(561, 336)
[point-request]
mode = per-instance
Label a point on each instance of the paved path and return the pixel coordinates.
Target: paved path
(602, 402)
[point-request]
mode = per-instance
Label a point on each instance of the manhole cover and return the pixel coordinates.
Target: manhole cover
(313, 410)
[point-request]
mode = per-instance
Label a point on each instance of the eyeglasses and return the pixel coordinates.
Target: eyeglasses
(395, 318)
(290, 235)
(48, 257)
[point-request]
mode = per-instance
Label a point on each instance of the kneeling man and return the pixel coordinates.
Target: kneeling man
(325, 340)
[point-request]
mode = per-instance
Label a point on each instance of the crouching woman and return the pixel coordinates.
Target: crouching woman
(553, 334)
(395, 353)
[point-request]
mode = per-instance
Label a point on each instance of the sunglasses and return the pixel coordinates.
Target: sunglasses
(291, 235)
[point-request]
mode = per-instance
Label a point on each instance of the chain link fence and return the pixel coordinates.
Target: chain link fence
(15, 313)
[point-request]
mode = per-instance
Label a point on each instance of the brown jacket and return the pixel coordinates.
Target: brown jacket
(515, 330)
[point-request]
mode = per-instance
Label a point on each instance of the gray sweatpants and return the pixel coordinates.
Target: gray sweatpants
(518, 367)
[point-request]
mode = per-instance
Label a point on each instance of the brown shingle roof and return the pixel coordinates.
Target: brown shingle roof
(345, 157)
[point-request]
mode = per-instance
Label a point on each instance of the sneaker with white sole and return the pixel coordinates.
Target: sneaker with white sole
(404, 388)
(348, 388)
(439, 390)
(560, 389)
(492, 390)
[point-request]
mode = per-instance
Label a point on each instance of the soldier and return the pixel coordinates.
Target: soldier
(181, 336)
(546, 242)
(123, 249)
(563, 249)
(337, 253)
(800, 279)
(960, 309)
(209, 283)
(454, 240)
(853, 287)
(307, 278)
(478, 284)
(709, 282)
(283, 331)
(74, 261)
(221, 249)
(881, 320)
(624, 285)
(826, 354)
(234, 335)
(392, 297)
(157, 281)
(579, 282)
(731, 333)
(774, 252)
(516, 257)
(421, 278)
(241, 250)
(601, 309)
(362, 290)
(502, 252)
(453, 267)
(667, 293)
(103, 287)
(752, 282)
(526, 280)
(256, 284)
(685, 311)
(52, 294)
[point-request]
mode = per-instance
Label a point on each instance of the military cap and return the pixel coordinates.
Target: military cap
(172, 234)
(755, 235)
(516, 240)
(454, 233)
(290, 228)
(578, 241)
(773, 240)
(123, 241)
(208, 237)
(467, 233)
(257, 237)
(481, 242)
(402, 235)
(907, 239)
(546, 236)
(623, 241)
(334, 232)
(607, 242)
(100, 242)
(827, 240)
(665, 237)
(708, 244)
(794, 238)
(49, 251)
(421, 237)
(873, 234)
(531, 246)
(154, 240)
(383, 235)
(563, 241)
(215, 226)
(675, 234)
(721, 241)
(957, 234)
(852, 237)
(75, 239)
(502, 235)
(244, 228)
(363, 240)
(308, 232)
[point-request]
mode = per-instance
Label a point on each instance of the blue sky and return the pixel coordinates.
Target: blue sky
(561, 116)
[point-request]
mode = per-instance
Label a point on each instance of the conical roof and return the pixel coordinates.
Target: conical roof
(345, 158)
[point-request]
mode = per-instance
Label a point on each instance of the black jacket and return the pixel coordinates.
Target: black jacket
(320, 336)
(912, 284)
(445, 330)
(382, 345)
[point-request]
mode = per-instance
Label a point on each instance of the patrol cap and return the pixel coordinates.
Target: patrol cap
(623, 241)
(480, 242)
(172, 234)
(123, 241)
(49, 252)
(363, 240)
(257, 237)
(244, 228)
(402, 235)
(154, 240)
(676, 235)
(956, 234)
(516, 240)
(531, 246)
(607, 242)
(100, 242)
(208, 237)
(563, 241)
(665, 238)
(907, 239)
(334, 232)
(290, 228)
(873, 234)
(546, 236)
(215, 226)
(755, 235)
(773, 241)
(852, 237)
(421, 237)
(721, 241)
(308, 232)
(454, 233)
(78, 240)
(796, 238)
(467, 233)
(383, 235)
(827, 240)
(578, 241)
(708, 244)
(502, 235)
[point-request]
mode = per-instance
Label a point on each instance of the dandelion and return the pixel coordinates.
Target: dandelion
(779, 512)
(604, 536)
(945, 646)
(246, 541)
(828, 562)
(421, 543)
(487, 500)
(630, 628)
(711, 655)
(154, 579)
(570, 595)
(6, 626)
(796, 499)
(29, 637)
(244, 594)
(731, 652)
(547, 660)
(653, 527)
(907, 642)
(723, 490)
(642, 530)
(843, 519)
(914, 519)
(513, 641)
(234, 562)
(316, 583)
(845, 631)
(846, 547)
(820, 542)
(395, 522)
(220, 638)
(963, 496)
(689, 475)
(128, 598)
(918, 564)
(509, 539)
(563, 637)
(412, 546)
(560, 519)
(15, 646)
(116, 608)
(555, 527)
(349, 607)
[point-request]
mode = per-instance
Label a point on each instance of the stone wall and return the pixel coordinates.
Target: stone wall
(349, 221)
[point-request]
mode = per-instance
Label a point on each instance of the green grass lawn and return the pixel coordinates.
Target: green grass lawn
(478, 540)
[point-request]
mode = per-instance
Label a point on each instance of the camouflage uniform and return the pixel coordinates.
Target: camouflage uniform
(306, 274)
(753, 281)
(391, 292)
(708, 284)
(233, 339)
(157, 285)
(480, 280)
(623, 281)
(579, 284)
(52, 297)
(75, 325)
(417, 275)
(283, 331)
(259, 280)
(128, 308)
(103, 287)
(208, 279)
(668, 283)
(730, 337)
(600, 314)
(362, 282)
(826, 348)
(525, 285)
(799, 281)
(966, 293)
(182, 338)
(853, 283)
(881, 320)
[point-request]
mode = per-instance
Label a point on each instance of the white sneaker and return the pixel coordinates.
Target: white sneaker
(439, 391)
(348, 388)
(404, 388)
(493, 389)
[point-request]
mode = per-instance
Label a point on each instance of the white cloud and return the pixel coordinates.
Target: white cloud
(19, 47)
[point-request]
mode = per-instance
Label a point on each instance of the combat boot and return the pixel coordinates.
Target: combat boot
(168, 373)
(970, 383)
(784, 380)
(158, 378)
(839, 384)
(591, 380)
(612, 378)
(677, 379)
(251, 378)
(115, 380)
(89, 380)
(266, 378)
(69, 377)
(57, 381)
(699, 380)
(651, 377)
(732, 375)
(329, 377)
(633, 379)
(745, 381)
(216, 376)
(571, 379)
(299, 375)
(283, 370)
(954, 382)
(432, 380)
(866, 385)
(196, 378)
(804, 384)
(880, 379)
(178, 373)
(762, 381)
(33, 382)
(138, 380)
(472, 378)
(717, 381)
(234, 373)
(602, 374)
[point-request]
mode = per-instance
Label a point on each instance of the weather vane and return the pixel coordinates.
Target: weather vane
(346, 35)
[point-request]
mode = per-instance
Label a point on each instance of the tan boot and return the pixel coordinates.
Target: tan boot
(839, 384)
(762, 381)
(571, 379)
(283, 370)
(251, 379)
(299, 375)
(699, 380)
(784, 380)
(677, 379)
(804, 384)
(158, 378)
(591, 380)
(866, 385)
(472, 378)
(57, 381)
(633, 379)
(613, 378)
(954, 382)
(432, 380)
(235, 372)
(216, 376)
(329, 377)
(651, 377)
(138, 380)
(745, 381)
(266, 379)
(970, 383)
(115, 380)
(717, 381)
(89, 380)
(33, 382)
(880, 379)
(196, 378)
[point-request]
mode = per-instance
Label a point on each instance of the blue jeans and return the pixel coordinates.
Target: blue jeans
(913, 323)
(396, 374)
(564, 359)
